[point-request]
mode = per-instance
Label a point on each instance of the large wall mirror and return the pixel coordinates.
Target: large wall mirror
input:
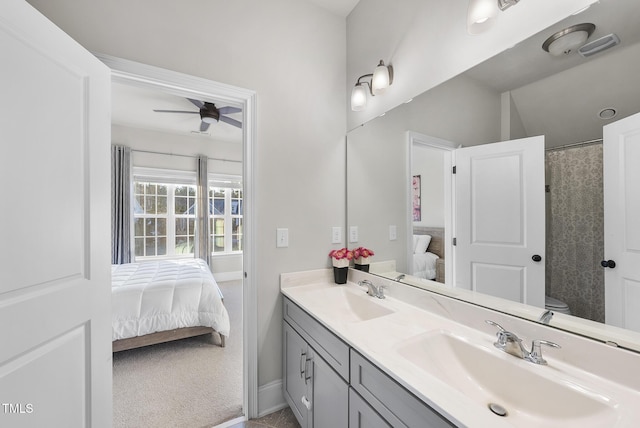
(399, 182)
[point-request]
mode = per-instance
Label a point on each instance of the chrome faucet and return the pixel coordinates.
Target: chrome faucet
(546, 316)
(399, 277)
(511, 344)
(372, 289)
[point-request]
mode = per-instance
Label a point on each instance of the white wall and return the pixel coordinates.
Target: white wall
(293, 55)
(427, 42)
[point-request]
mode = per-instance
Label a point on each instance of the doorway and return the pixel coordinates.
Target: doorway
(181, 85)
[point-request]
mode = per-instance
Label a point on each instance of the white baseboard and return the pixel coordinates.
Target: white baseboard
(227, 276)
(270, 398)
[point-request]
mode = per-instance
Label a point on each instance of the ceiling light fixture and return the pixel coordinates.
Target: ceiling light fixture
(567, 41)
(381, 79)
(482, 13)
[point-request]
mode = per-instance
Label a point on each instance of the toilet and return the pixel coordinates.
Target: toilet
(556, 305)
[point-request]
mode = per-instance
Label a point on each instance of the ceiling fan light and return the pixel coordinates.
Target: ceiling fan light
(481, 15)
(358, 97)
(208, 119)
(381, 79)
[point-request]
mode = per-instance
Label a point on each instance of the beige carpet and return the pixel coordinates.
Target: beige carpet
(189, 383)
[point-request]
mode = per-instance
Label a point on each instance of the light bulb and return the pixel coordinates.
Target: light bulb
(380, 79)
(358, 97)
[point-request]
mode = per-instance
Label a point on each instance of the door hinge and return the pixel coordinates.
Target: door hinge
(455, 241)
(454, 169)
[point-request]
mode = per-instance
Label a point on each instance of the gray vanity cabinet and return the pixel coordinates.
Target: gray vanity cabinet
(362, 415)
(295, 380)
(330, 385)
(391, 401)
(317, 394)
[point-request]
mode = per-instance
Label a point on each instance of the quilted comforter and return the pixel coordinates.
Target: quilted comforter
(153, 296)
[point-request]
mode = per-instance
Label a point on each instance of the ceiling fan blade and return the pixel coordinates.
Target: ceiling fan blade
(197, 103)
(204, 126)
(229, 110)
(230, 121)
(177, 111)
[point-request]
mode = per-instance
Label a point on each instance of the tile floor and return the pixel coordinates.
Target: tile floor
(281, 419)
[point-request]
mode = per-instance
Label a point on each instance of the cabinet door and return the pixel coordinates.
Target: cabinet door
(295, 382)
(330, 396)
(361, 415)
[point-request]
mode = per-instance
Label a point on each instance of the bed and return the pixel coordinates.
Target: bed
(428, 253)
(160, 301)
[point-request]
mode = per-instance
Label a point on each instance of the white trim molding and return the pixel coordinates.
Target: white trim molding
(271, 398)
(184, 85)
(448, 147)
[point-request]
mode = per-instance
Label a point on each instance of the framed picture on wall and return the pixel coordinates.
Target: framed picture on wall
(416, 199)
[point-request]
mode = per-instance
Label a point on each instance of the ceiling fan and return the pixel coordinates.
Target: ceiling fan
(209, 114)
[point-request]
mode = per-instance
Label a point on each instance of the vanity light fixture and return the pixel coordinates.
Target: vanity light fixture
(482, 13)
(381, 79)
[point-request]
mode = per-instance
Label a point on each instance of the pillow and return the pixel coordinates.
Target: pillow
(423, 244)
(415, 243)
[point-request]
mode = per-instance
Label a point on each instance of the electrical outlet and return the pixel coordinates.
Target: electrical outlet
(393, 232)
(353, 234)
(336, 235)
(282, 238)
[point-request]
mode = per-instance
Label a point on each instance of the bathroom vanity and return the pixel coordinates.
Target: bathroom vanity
(418, 359)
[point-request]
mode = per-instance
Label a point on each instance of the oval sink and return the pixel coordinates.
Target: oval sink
(345, 304)
(487, 377)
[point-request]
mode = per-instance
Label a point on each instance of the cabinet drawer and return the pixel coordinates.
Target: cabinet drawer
(361, 415)
(334, 351)
(395, 404)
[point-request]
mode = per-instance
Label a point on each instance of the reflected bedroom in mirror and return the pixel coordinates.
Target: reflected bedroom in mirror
(542, 210)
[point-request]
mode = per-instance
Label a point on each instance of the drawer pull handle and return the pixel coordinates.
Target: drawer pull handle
(307, 375)
(303, 364)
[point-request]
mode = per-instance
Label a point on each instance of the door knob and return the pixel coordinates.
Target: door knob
(536, 258)
(608, 264)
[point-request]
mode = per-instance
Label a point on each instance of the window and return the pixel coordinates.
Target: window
(164, 219)
(164, 213)
(225, 211)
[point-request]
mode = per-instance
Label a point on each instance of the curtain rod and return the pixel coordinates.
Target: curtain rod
(568, 146)
(184, 156)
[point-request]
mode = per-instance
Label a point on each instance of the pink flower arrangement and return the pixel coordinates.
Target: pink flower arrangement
(362, 252)
(341, 257)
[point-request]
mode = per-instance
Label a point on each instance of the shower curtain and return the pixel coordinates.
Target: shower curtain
(575, 229)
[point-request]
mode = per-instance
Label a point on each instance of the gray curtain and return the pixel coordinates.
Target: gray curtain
(575, 230)
(120, 204)
(203, 250)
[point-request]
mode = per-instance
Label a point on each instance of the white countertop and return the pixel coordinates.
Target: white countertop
(417, 312)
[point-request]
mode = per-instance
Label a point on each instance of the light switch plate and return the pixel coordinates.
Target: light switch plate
(336, 235)
(282, 238)
(353, 234)
(393, 232)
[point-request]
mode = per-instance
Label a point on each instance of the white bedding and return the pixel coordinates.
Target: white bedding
(153, 296)
(424, 265)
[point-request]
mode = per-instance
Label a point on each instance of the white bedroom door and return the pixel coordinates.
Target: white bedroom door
(55, 329)
(621, 174)
(500, 219)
